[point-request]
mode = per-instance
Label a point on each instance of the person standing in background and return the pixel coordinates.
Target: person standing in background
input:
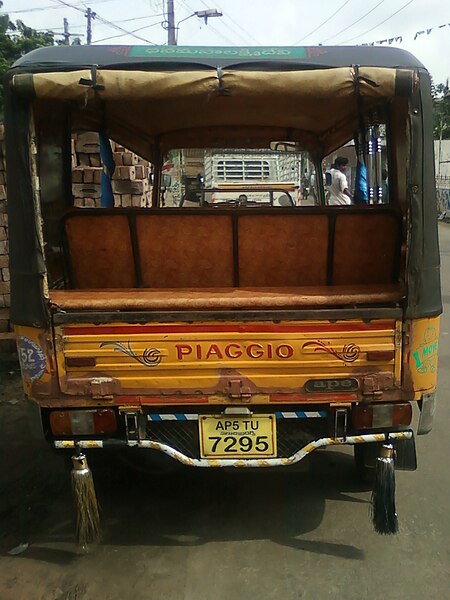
(384, 187)
(339, 192)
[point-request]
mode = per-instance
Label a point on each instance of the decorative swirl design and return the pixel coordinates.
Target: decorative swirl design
(350, 352)
(151, 357)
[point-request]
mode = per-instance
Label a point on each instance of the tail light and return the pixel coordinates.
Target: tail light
(83, 422)
(377, 416)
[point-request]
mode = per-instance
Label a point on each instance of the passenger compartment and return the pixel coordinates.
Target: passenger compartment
(221, 258)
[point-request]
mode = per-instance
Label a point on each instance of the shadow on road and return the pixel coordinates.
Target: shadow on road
(176, 507)
(182, 507)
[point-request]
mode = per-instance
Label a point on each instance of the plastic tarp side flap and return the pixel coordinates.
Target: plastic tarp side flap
(27, 264)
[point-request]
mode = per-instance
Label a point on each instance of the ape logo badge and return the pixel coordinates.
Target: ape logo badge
(349, 384)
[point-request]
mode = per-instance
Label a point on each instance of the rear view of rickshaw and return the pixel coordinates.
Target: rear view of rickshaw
(239, 334)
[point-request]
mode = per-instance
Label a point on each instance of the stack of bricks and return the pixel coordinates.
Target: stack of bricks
(130, 181)
(130, 185)
(6, 335)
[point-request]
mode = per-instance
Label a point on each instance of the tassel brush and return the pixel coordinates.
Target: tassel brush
(384, 515)
(85, 500)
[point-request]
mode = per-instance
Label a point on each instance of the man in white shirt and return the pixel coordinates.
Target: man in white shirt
(339, 192)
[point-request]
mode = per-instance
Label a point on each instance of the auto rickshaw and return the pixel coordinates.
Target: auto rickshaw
(229, 336)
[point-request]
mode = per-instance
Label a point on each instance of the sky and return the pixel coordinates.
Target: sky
(256, 23)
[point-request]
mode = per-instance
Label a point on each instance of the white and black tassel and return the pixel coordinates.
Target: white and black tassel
(384, 514)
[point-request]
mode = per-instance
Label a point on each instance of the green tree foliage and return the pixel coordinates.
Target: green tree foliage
(441, 103)
(16, 39)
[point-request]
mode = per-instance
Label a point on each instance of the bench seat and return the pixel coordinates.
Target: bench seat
(268, 298)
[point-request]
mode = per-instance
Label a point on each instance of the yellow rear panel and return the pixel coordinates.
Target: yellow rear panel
(206, 358)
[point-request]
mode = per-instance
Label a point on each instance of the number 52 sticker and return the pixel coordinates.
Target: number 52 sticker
(32, 359)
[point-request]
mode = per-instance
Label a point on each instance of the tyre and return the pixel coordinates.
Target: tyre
(365, 456)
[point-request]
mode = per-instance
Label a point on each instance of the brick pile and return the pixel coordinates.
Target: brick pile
(130, 182)
(130, 185)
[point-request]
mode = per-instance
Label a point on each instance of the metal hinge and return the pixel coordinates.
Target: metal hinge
(102, 387)
(236, 391)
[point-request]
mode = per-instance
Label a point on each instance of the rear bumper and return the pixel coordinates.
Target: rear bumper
(239, 463)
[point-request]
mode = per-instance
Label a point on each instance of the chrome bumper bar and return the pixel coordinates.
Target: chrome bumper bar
(239, 463)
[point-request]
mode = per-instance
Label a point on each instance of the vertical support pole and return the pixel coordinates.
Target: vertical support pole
(171, 29)
(89, 14)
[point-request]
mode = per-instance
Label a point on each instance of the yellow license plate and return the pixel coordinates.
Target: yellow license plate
(240, 436)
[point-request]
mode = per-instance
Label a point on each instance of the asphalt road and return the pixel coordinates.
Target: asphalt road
(214, 535)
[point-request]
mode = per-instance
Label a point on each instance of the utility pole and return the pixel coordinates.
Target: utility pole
(171, 29)
(66, 33)
(89, 14)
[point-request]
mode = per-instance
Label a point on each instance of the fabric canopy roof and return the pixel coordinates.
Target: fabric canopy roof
(318, 107)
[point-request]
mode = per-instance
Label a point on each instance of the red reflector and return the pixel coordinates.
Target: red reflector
(60, 422)
(381, 355)
(378, 416)
(402, 414)
(362, 417)
(105, 421)
(83, 422)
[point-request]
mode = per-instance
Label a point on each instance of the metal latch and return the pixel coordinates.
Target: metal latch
(132, 426)
(236, 391)
(340, 423)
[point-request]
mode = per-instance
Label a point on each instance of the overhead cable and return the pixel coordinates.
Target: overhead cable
(230, 18)
(381, 23)
(322, 24)
(354, 23)
(105, 22)
(111, 37)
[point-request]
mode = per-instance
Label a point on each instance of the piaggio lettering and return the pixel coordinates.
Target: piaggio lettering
(214, 350)
(183, 350)
(255, 351)
(234, 351)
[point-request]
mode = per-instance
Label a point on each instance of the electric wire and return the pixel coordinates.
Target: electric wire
(106, 22)
(29, 10)
(111, 37)
(381, 23)
(41, 8)
(322, 24)
(354, 23)
(230, 18)
(124, 31)
(186, 5)
(140, 18)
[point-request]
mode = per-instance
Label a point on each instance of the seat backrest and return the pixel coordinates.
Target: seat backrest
(282, 250)
(231, 248)
(184, 251)
(99, 251)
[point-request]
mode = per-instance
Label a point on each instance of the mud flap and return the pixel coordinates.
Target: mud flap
(405, 454)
